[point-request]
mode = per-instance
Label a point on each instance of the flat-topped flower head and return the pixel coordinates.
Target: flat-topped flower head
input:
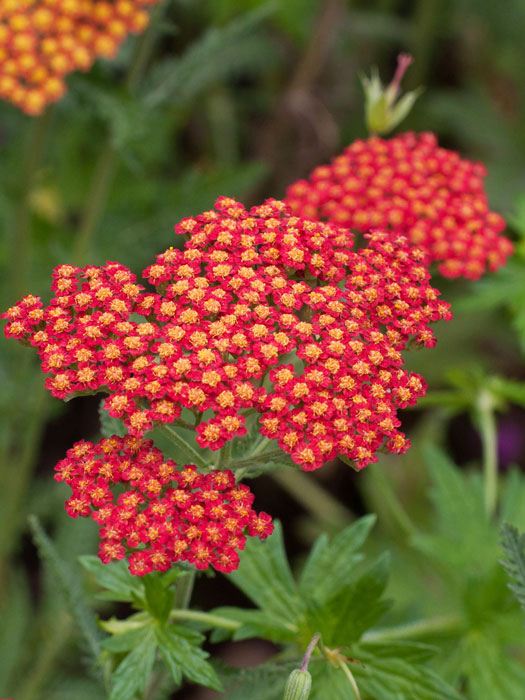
(153, 513)
(260, 311)
(409, 185)
(41, 41)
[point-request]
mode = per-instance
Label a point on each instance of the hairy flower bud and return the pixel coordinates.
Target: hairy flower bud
(298, 685)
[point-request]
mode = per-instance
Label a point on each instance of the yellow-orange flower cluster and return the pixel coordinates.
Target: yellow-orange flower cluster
(43, 40)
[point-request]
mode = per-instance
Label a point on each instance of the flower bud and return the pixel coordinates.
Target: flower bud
(298, 685)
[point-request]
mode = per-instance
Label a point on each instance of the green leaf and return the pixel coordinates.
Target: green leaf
(254, 623)
(159, 597)
(221, 52)
(115, 577)
(68, 581)
(355, 607)
(133, 672)
(491, 671)
(458, 504)
(185, 659)
(263, 682)
(391, 678)
(330, 565)
(411, 652)
(264, 576)
(127, 640)
(513, 544)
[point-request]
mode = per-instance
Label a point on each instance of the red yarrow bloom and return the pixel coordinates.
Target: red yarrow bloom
(161, 515)
(409, 185)
(43, 40)
(259, 311)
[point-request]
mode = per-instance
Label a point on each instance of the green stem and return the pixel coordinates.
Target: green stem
(106, 167)
(205, 618)
(20, 238)
(258, 458)
(181, 443)
(183, 590)
(433, 626)
(350, 677)
(489, 440)
(309, 651)
(315, 499)
(224, 454)
(388, 495)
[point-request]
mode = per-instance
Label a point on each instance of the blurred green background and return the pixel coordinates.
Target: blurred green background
(239, 98)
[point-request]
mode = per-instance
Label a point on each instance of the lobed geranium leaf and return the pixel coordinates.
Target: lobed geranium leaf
(490, 671)
(393, 678)
(264, 575)
(355, 607)
(183, 658)
(331, 564)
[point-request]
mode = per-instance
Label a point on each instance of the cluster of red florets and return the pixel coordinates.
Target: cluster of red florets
(43, 40)
(163, 515)
(409, 185)
(248, 289)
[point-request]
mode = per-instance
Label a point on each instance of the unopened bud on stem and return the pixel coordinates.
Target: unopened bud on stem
(299, 681)
(383, 109)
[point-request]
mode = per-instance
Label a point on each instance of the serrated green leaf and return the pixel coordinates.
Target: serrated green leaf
(68, 581)
(513, 544)
(411, 652)
(491, 672)
(127, 640)
(133, 672)
(331, 564)
(513, 498)
(222, 51)
(183, 658)
(264, 576)
(263, 682)
(459, 507)
(125, 114)
(392, 678)
(115, 577)
(354, 608)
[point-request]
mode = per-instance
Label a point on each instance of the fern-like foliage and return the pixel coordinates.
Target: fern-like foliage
(513, 544)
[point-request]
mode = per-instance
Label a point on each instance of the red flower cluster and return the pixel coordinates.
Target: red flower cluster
(42, 40)
(163, 515)
(247, 290)
(409, 185)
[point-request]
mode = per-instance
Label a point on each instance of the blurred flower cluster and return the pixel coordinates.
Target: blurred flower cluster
(409, 185)
(41, 41)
